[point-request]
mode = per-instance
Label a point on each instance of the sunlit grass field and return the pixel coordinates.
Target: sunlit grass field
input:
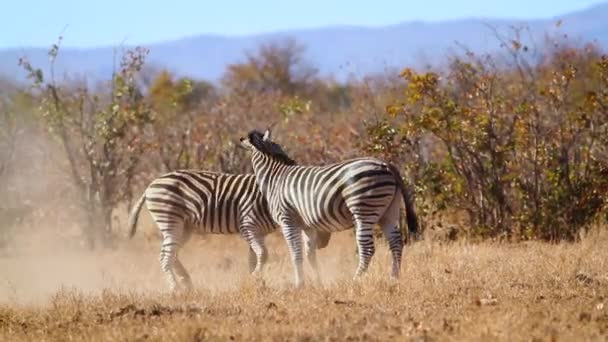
(456, 291)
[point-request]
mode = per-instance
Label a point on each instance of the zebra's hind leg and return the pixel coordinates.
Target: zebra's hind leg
(365, 245)
(258, 254)
(172, 233)
(310, 244)
(184, 278)
(392, 234)
(253, 260)
(258, 247)
(293, 236)
(168, 255)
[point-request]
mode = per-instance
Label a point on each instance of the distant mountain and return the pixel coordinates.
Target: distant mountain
(339, 51)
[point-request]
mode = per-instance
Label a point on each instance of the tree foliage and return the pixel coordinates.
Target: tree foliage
(522, 149)
(100, 133)
(275, 66)
(8, 130)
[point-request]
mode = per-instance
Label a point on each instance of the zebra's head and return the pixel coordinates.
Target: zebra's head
(262, 145)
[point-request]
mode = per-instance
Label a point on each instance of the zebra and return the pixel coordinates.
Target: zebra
(356, 193)
(187, 201)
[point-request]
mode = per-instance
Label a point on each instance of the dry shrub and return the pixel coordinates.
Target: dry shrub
(520, 147)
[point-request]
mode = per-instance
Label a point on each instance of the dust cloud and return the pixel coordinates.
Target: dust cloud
(41, 263)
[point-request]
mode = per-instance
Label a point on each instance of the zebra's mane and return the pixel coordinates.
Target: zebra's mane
(269, 148)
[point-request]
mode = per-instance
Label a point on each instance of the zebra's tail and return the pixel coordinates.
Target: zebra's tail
(411, 217)
(134, 215)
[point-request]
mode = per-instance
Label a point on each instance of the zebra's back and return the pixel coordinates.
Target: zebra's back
(210, 202)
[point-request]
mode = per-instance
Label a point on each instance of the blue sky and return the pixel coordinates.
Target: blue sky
(109, 22)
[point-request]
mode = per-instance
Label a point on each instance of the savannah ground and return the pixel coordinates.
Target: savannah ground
(448, 291)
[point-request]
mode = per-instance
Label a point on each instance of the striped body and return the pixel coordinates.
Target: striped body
(209, 202)
(185, 202)
(357, 193)
(318, 195)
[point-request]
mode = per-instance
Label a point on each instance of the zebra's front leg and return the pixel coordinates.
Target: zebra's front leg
(310, 243)
(392, 233)
(365, 246)
(293, 236)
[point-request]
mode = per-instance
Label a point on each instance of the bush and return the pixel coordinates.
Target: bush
(521, 148)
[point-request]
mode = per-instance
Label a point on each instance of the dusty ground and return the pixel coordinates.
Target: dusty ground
(528, 291)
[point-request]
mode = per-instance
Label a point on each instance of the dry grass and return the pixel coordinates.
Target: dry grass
(528, 291)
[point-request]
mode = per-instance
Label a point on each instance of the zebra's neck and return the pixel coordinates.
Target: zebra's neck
(267, 172)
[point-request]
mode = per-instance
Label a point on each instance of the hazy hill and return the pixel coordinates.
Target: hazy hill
(339, 51)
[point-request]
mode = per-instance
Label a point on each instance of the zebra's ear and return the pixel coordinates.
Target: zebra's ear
(267, 135)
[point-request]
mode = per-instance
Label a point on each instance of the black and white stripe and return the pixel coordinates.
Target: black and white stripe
(186, 202)
(355, 193)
